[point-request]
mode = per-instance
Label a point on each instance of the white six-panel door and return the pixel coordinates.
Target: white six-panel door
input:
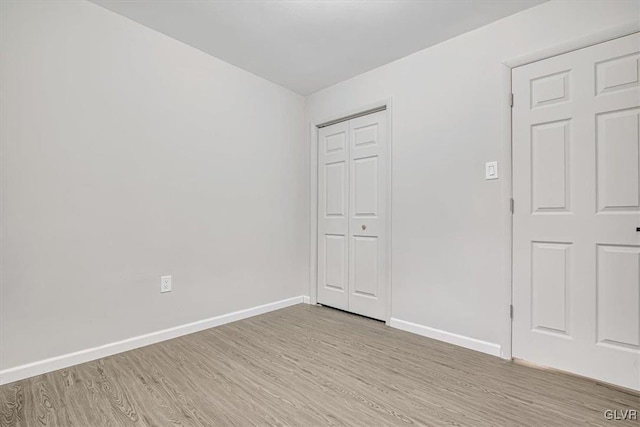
(576, 185)
(352, 204)
(333, 216)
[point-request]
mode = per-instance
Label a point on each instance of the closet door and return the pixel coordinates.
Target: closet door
(367, 215)
(333, 216)
(353, 246)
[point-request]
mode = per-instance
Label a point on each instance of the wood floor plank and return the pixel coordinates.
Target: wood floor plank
(308, 366)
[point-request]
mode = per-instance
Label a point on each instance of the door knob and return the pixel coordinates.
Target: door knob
(364, 227)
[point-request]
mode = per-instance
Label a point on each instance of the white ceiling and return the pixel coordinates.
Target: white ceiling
(309, 45)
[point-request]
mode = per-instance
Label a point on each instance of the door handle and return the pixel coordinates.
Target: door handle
(364, 227)
(638, 229)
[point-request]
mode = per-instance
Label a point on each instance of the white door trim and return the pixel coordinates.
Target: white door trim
(507, 187)
(313, 198)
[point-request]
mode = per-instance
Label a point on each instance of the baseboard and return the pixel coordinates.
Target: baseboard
(451, 338)
(306, 299)
(48, 365)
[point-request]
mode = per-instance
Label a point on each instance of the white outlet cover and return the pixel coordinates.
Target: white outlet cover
(491, 170)
(165, 284)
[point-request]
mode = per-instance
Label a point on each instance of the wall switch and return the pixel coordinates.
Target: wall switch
(165, 284)
(491, 170)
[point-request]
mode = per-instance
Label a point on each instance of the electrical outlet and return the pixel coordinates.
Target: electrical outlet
(165, 284)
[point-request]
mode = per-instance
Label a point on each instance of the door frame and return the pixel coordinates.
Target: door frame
(507, 160)
(313, 192)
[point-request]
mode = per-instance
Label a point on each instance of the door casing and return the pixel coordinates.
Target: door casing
(313, 191)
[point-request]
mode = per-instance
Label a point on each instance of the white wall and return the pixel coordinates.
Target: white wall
(448, 249)
(127, 155)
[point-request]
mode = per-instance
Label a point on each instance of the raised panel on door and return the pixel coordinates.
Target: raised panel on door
(550, 159)
(333, 220)
(368, 253)
(335, 265)
(335, 186)
(618, 296)
(618, 74)
(550, 89)
(365, 187)
(550, 286)
(365, 266)
(618, 160)
(576, 185)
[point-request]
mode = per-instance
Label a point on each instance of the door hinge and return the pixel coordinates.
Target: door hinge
(511, 100)
(512, 205)
(511, 311)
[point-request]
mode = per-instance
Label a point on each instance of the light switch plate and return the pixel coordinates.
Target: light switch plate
(165, 284)
(491, 170)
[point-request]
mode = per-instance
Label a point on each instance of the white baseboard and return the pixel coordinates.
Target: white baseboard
(306, 299)
(451, 338)
(40, 367)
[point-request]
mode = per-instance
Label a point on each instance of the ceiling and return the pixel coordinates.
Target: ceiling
(308, 45)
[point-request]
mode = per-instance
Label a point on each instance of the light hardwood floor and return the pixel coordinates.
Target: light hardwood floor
(308, 366)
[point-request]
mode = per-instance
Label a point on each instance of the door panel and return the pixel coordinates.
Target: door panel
(333, 219)
(335, 267)
(618, 295)
(550, 166)
(368, 204)
(576, 184)
(365, 177)
(550, 89)
(365, 266)
(352, 235)
(617, 161)
(617, 74)
(335, 197)
(551, 280)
